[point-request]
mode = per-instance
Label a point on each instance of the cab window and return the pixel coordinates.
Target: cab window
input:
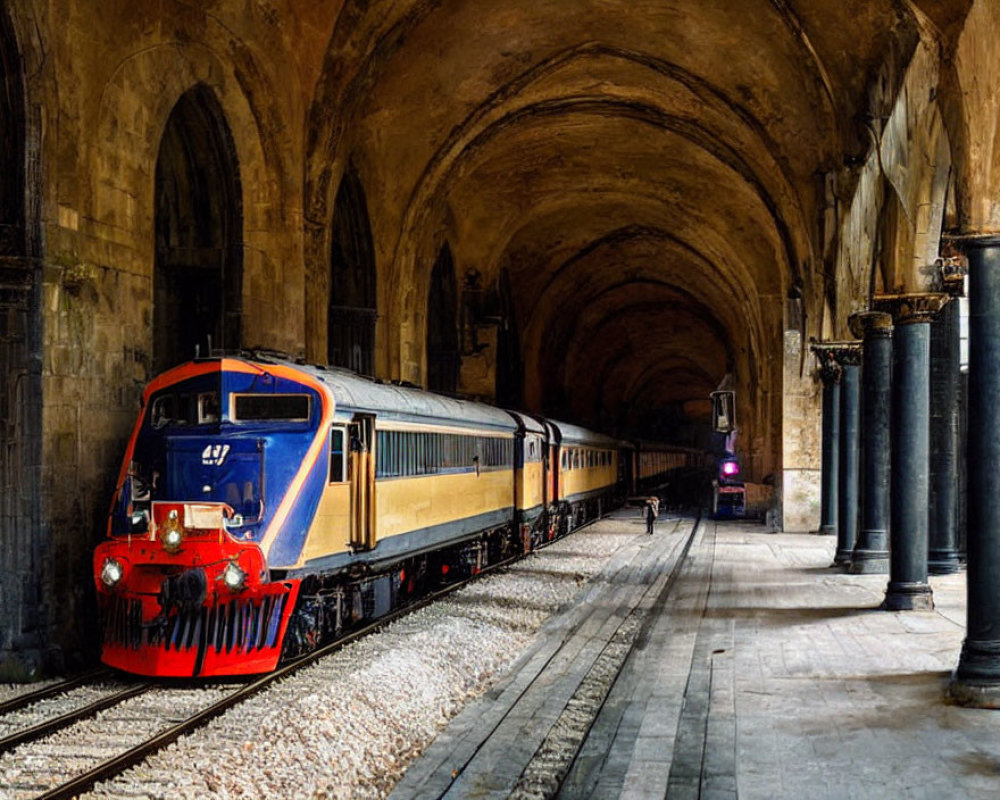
(271, 407)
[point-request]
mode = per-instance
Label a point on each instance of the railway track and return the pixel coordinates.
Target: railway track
(558, 754)
(75, 714)
(71, 751)
(51, 690)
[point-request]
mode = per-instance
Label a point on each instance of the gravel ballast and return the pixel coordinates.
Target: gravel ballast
(348, 727)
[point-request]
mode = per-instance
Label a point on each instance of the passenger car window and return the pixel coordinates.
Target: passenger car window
(337, 455)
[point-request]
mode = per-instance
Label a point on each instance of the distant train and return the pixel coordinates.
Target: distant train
(263, 506)
(680, 474)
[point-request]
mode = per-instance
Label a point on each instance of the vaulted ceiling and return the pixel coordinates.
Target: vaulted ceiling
(649, 174)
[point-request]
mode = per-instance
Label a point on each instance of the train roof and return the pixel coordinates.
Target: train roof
(574, 434)
(412, 404)
(530, 423)
(403, 403)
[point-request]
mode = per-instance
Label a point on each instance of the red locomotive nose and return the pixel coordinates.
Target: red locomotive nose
(189, 599)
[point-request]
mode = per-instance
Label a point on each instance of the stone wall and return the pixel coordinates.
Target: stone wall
(105, 87)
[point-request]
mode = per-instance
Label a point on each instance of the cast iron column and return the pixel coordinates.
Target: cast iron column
(910, 484)
(871, 552)
(942, 557)
(849, 359)
(977, 679)
(829, 372)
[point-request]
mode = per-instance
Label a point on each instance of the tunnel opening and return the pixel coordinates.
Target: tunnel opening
(198, 271)
(352, 309)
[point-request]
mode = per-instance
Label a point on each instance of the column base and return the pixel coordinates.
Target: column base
(869, 562)
(827, 530)
(843, 558)
(974, 694)
(976, 681)
(871, 553)
(908, 597)
(943, 562)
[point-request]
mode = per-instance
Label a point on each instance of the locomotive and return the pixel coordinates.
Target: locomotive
(263, 505)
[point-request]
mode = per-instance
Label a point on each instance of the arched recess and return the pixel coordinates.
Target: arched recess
(12, 152)
(198, 269)
(352, 309)
(510, 362)
(27, 593)
(443, 357)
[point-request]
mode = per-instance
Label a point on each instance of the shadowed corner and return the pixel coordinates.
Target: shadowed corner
(787, 616)
(979, 762)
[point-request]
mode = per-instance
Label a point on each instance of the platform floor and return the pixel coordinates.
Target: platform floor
(756, 671)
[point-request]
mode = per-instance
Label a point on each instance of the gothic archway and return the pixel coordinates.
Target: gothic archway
(198, 273)
(12, 152)
(443, 358)
(26, 590)
(352, 309)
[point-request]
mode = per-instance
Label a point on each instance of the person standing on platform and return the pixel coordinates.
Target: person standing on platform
(652, 510)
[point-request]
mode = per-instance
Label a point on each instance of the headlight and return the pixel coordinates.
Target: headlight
(233, 577)
(111, 572)
(172, 536)
(172, 539)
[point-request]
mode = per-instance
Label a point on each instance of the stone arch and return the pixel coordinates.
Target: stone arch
(198, 260)
(970, 107)
(915, 157)
(123, 143)
(353, 280)
(12, 144)
(526, 98)
(892, 245)
(25, 636)
(443, 356)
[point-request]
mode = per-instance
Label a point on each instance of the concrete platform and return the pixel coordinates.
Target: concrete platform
(749, 669)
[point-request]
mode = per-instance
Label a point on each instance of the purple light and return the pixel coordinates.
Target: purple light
(730, 468)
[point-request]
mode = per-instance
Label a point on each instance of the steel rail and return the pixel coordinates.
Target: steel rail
(70, 717)
(115, 766)
(19, 702)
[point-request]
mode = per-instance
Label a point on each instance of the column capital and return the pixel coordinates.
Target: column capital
(829, 369)
(865, 324)
(911, 307)
(845, 353)
(963, 242)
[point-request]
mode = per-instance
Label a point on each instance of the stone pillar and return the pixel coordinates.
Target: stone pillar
(871, 552)
(849, 358)
(977, 679)
(830, 375)
(942, 556)
(910, 483)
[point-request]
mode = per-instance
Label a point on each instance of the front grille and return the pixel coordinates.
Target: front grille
(123, 622)
(241, 625)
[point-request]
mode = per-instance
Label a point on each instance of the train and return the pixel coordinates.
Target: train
(264, 505)
(679, 475)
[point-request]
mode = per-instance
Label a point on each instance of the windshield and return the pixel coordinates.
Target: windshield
(184, 409)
